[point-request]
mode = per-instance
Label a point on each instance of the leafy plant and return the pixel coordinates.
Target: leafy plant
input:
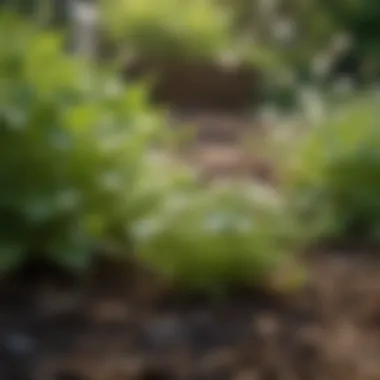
(171, 28)
(72, 141)
(336, 167)
(212, 238)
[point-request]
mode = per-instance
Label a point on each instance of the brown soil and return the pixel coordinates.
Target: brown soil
(221, 146)
(197, 85)
(112, 330)
(119, 325)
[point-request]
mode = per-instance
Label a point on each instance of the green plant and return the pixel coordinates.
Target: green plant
(212, 238)
(72, 142)
(360, 18)
(336, 168)
(170, 28)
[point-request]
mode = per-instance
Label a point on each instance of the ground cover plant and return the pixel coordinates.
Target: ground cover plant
(225, 234)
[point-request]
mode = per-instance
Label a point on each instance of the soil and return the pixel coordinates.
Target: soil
(121, 324)
(199, 85)
(110, 328)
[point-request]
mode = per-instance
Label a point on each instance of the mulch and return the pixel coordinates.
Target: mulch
(109, 328)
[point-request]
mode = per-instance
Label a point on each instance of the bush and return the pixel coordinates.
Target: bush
(170, 28)
(220, 236)
(336, 168)
(72, 142)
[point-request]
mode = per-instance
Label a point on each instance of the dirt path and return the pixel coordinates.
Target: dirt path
(221, 145)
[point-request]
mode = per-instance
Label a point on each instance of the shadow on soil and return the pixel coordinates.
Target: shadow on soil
(110, 329)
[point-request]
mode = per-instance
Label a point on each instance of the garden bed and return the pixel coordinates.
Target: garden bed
(119, 323)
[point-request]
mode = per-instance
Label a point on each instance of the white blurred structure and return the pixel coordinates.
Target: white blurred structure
(84, 20)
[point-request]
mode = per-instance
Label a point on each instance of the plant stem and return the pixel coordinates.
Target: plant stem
(44, 12)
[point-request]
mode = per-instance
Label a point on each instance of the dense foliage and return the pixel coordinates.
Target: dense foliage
(335, 169)
(360, 19)
(72, 142)
(172, 28)
(226, 233)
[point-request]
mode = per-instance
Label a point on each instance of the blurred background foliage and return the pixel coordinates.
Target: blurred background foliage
(178, 28)
(308, 37)
(291, 43)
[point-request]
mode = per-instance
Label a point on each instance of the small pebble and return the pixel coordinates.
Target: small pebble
(165, 331)
(109, 312)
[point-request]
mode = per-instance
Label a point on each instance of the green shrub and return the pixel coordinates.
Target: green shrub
(170, 28)
(336, 168)
(72, 142)
(223, 235)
